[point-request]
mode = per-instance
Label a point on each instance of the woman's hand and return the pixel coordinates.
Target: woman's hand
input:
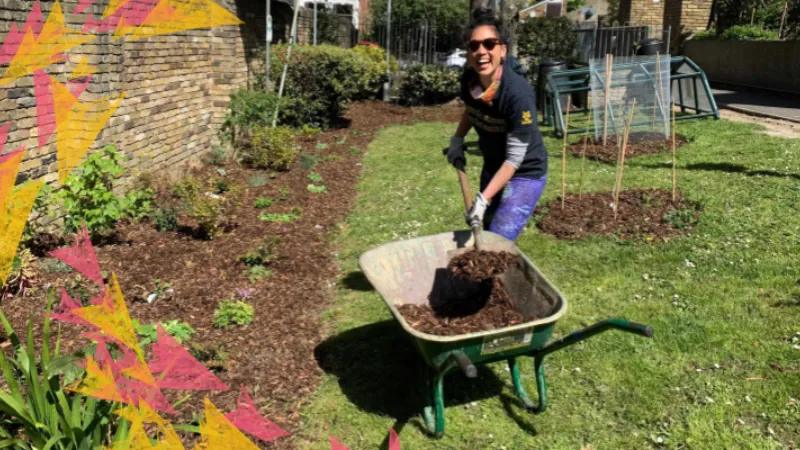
(478, 210)
(456, 150)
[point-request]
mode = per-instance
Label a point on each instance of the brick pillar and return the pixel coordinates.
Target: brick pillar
(685, 17)
(646, 12)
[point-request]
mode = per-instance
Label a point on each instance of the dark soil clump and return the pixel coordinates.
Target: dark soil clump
(644, 213)
(480, 265)
(639, 143)
(490, 309)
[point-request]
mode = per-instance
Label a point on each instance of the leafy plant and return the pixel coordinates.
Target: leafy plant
(284, 191)
(162, 288)
(218, 156)
(315, 177)
(207, 209)
(307, 161)
(52, 265)
(309, 133)
(341, 139)
(270, 148)
(231, 312)
(547, 37)
(22, 277)
(263, 256)
(429, 85)
(317, 189)
(37, 412)
(149, 333)
(76, 288)
(263, 202)
(257, 180)
(291, 216)
(164, 217)
(257, 273)
(681, 218)
(748, 33)
(353, 150)
(212, 356)
(248, 109)
(222, 186)
(321, 146)
(87, 194)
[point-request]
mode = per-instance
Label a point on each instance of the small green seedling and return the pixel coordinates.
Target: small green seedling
(353, 150)
(341, 140)
(284, 193)
(308, 161)
(177, 329)
(321, 146)
(257, 180)
(315, 177)
(263, 202)
(258, 273)
(263, 256)
(316, 189)
(233, 313)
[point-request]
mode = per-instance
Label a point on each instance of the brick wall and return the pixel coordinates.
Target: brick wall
(672, 19)
(177, 91)
(646, 12)
(685, 17)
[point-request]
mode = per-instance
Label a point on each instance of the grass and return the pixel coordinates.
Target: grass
(721, 371)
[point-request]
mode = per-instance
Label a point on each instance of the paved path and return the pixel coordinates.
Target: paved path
(777, 105)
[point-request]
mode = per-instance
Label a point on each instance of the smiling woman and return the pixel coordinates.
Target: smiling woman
(500, 104)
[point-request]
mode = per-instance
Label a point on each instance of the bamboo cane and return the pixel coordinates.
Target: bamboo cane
(564, 155)
(783, 20)
(583, 160)
(674, 159)
(609, 68)
(627, 131)
(660, 90)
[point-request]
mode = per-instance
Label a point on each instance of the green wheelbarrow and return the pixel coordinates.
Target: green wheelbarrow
(410, 271)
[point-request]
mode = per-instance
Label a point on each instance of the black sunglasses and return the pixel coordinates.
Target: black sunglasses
(489, 44)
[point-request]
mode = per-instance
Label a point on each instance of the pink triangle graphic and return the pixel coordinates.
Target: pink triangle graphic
(63, 311)
(35, 20)
(247, 419)
(175, 368)
(336, 445)
(82, 6)
(81, 257)
(45, 108)
(76, 87)
(10, 44)
(394, 440)
(3, 135)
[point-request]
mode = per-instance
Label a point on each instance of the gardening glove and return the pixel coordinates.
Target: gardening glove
(456, 151)
(476, 213)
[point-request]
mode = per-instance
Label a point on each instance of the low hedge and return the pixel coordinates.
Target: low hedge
(429, 85)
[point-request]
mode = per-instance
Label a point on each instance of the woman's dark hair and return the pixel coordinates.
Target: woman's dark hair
(485, 17)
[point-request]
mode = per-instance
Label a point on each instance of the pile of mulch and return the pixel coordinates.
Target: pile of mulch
(490, 309)
(480, 303)
(274, 356)
(477, 265)
(639, 143)
(642, 213)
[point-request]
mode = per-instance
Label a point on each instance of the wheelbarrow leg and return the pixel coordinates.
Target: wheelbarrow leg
(434, 412)
(518, 388)
(541, 382)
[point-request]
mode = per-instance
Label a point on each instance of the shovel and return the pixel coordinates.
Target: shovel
(476, 230)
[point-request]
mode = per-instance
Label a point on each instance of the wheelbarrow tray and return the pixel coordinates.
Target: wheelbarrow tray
(408, 271)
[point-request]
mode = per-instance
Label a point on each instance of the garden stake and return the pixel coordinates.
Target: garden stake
(609, 66)
(674, 158)
(564, 154)
(583, 160)
(658, 90)
(783, 20)
(626, 133)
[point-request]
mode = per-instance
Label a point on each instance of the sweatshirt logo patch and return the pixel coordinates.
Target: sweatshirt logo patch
(526, 118)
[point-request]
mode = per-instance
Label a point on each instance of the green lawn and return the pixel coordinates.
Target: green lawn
(722, 371)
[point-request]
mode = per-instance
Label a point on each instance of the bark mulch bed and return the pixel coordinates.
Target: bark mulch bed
(479, 301)
(274, 356)
(643, 213)
(639, 143)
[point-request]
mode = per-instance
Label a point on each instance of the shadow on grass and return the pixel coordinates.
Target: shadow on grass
(725, 167)
(379, 370)
(357, 281)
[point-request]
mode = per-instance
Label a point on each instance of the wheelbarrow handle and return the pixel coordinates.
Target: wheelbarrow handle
(599, 327)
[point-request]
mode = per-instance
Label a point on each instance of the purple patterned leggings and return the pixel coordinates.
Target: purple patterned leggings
(508, 214)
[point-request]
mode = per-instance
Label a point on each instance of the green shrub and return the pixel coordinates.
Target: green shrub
(703, 35)
(175, 328)
(257, 180)
(87, 194)
(37, 412)
(748, 33)
(270, 148)
(321, 80)
(164, 218)
(248, 109)
(217, 157)
(233, 313)
(208, 210)
(547, 37)
(429, 85)
(378, 56)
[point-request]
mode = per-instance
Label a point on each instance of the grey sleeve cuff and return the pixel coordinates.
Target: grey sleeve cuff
(516, 148)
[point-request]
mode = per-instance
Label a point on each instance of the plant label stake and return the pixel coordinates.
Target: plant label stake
(609, 68)
(564, 155)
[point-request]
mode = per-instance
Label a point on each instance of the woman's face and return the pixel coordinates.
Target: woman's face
(482, 59)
